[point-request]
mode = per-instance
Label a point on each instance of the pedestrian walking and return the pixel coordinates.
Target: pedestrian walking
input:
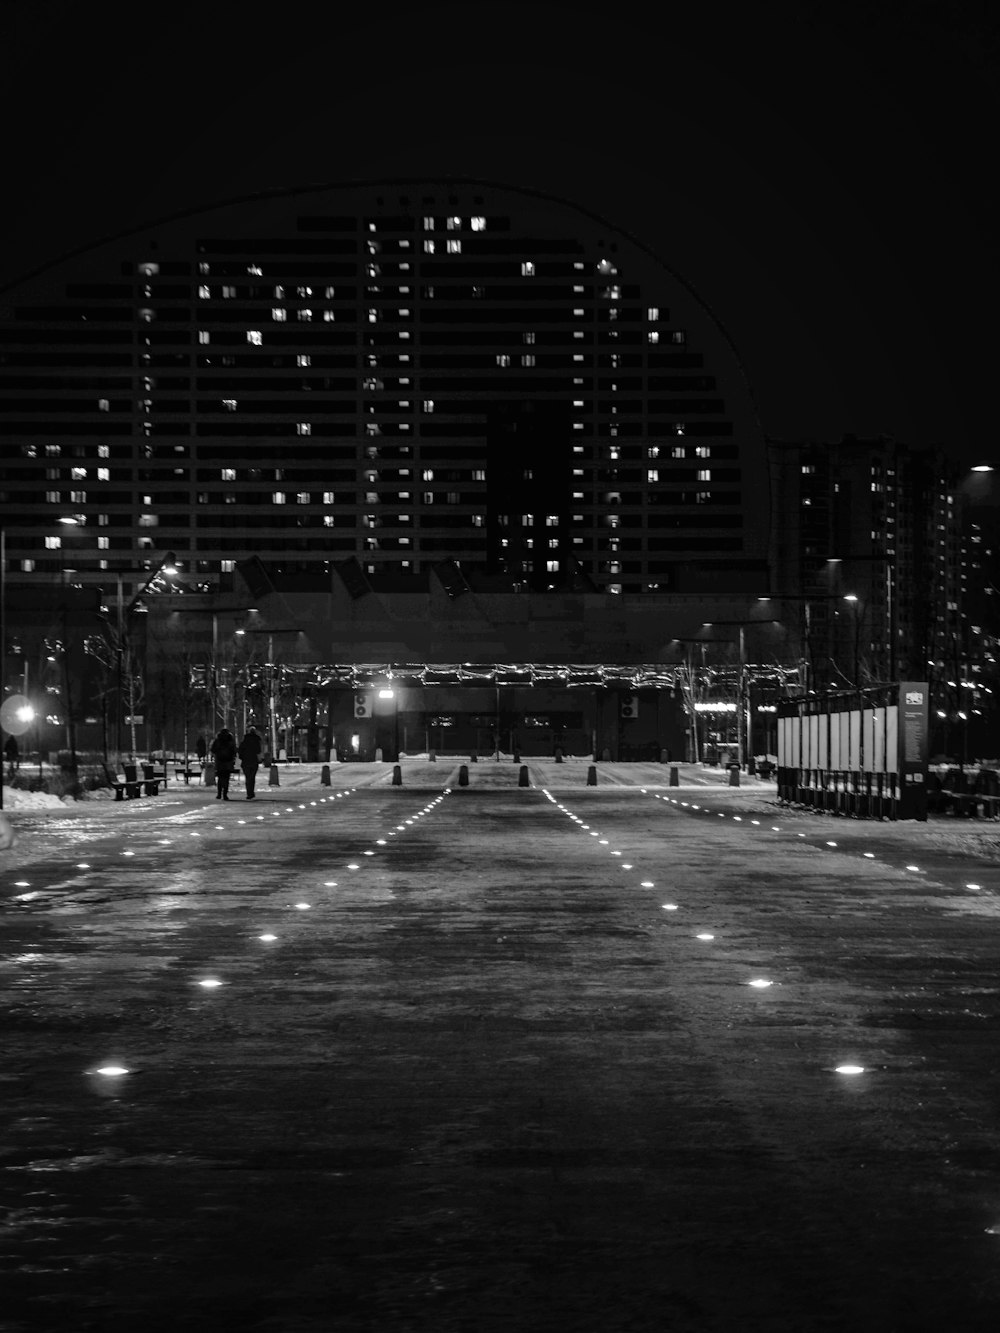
(223, 751)
(200, 749)
(249, 752)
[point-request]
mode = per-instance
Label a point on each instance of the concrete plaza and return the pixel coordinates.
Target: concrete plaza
(433, 1057)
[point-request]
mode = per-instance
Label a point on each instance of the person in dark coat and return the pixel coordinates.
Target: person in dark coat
(201, 749)
(13, 754)
(224, 754)
(249, 752)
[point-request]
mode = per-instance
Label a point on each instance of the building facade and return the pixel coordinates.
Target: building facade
(392, 374)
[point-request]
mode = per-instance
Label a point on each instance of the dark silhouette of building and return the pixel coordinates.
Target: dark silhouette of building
(397, 374)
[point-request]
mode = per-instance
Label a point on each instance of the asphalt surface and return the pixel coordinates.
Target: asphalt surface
(490, 1058)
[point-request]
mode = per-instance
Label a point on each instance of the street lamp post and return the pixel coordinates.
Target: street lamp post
(167, 566)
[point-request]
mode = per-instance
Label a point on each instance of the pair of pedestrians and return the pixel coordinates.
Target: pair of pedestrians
(225, 752)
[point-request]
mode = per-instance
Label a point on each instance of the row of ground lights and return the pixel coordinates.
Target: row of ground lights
(756, 983)
(776, 828)
(269, 937)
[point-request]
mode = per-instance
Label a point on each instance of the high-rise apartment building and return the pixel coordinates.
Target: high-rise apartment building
(394, 373)
(869, 547)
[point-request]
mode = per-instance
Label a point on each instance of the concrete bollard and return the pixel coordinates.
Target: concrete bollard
(473, 758)
(664, 756)
(324, 776)
(592, 776)
(432, 757)
(734, 775)
(517, 757)
(675, 777)
(522, 776)
(463, 775)
(397, 775)
(272, 777)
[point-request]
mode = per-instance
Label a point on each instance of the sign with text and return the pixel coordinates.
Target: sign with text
(912, 743)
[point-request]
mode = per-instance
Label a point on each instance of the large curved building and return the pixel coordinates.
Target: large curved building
(344, 408)
(395, 372)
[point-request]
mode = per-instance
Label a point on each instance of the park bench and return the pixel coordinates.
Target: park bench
(130, 786)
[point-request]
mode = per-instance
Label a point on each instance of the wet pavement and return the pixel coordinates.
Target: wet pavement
(484, 1058)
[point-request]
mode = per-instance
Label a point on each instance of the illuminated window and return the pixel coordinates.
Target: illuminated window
(302, 497)
(428, 247)
(255, 337)
(204, 292)
(527, 360)
(454, 247)
(652, 474)
(477, 224)
(303, 428)
(229, 404)
(551, 520)
(303, 359)
(104, 405)
(653, 314)
(53, 543)
(552, 566)
(454, 224)
(527, 269)
(304, 315)
(653, 336)
(704, 474)
(228, 474)
(279, 314)
(502, 360)
(204, 337)
(104, 543)
(278, 497)
(103, 474)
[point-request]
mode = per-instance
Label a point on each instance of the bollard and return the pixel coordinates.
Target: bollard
(558, 755)
(473, 758)
(522, 776)
(517, 757)
(675, 777)
(664, 756)
(734, 775)
(397, 775)
(592, 776)
(463, 775)
(324, 776)
(432, 757)
(272, 778)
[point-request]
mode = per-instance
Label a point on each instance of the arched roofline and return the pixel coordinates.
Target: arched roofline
(397, 182)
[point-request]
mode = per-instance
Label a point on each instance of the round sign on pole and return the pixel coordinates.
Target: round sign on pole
(16, 714)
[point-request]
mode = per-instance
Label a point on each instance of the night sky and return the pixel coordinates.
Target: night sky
(822, 176)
